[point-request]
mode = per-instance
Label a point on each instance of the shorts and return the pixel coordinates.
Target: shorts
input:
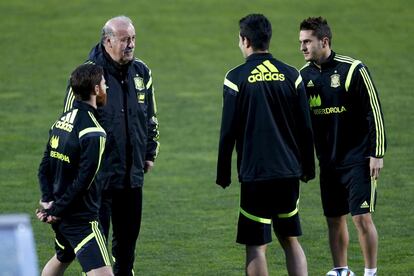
(81, 240)
(264, 203)
(348, 190)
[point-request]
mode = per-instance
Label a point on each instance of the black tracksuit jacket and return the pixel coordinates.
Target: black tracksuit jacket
(266, 115)
(70, 163)
(129, 119)
(346, 112)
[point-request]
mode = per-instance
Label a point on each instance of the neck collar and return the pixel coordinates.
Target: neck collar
(257, 56)
(113, 63)
(329, 62)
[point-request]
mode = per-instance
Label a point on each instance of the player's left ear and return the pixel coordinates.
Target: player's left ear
(325, 42)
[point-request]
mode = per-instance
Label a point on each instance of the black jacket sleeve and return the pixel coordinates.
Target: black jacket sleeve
(305, 134)
(153, 133)
(45, 176)
(227, 136)
(368, 96)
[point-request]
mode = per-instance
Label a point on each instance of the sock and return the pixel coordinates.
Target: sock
(370, 271)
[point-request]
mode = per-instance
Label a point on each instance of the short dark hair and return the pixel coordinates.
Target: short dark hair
(319, 26)
(257, 29)
(84, 78)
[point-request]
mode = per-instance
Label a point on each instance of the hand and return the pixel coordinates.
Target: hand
(375, 166)
(40, 212)
(52, 219)
(307, 176)
(42, 215)
(148, 166)
(304, 178)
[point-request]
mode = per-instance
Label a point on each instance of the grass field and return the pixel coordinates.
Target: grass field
(189, 224)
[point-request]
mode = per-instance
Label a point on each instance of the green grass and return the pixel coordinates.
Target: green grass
(189, 224)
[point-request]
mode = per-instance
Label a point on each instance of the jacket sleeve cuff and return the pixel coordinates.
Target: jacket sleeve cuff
(377, 156)
(223, 181)
(50, 211)
(149, 157)
(47, 198)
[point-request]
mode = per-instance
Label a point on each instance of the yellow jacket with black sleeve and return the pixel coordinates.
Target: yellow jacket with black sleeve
(346, 112)
(266, 116)
(70, 163)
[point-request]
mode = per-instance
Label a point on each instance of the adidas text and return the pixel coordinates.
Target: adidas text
(64, 126)
(269, 76)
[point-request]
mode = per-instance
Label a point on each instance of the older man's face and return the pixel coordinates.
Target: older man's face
(122, 44)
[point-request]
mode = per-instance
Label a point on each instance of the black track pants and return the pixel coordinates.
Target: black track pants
(124, 207)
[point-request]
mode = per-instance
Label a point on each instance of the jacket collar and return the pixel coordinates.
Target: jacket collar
(259, 56)
(84, 106)
(329, 62)
(101, 57)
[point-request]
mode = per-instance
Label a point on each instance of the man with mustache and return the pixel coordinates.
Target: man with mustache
(131, 125)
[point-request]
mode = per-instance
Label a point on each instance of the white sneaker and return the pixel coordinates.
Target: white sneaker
(340, 272)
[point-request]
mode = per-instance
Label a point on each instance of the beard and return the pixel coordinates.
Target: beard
(101, 100)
